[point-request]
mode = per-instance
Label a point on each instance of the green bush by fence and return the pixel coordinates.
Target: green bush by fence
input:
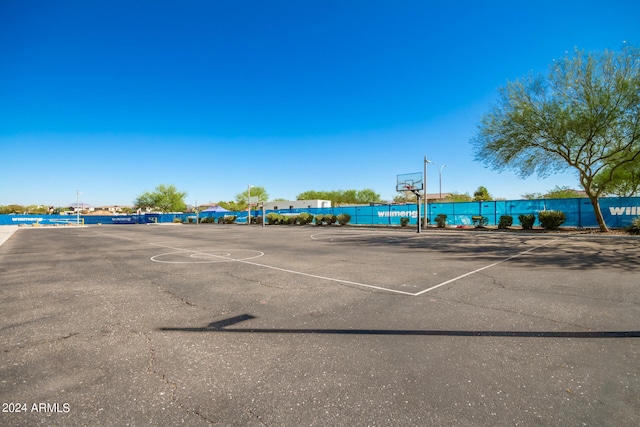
(505, 221)
(527, 221)
(551, 220)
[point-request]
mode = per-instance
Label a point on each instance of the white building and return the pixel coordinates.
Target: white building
(297, 204)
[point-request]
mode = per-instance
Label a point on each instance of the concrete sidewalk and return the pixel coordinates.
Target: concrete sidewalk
(7, 231)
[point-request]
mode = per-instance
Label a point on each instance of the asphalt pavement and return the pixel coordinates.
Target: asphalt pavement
(230, 325)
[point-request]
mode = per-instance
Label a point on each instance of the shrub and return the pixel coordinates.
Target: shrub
(404, 221)
(551, 220)
(286, 219)
(441, 220)
(480, 221)
(177, 220)
(229, 219)
(330, 219)
(220, 220)
(343, 219)
(505, 221)
(319, 219)
(634, 228)
(272, 218)
(305, 218)
(256, 219)
(527, 220)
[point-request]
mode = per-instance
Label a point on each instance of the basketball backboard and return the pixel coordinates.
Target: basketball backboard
(409, 182)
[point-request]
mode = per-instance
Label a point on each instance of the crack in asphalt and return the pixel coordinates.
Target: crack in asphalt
(245, 279)
(549, 292)
(178, 297)
(38, 343)
(151, 282)
(504, 310)
(151, 369)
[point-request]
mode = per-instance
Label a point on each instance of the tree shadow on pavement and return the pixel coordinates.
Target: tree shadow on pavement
(561, 251)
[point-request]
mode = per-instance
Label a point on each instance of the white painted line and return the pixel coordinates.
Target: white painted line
(194, 254)
(188, 250)
(483, 268)
(117, 236)
(348, 282)
(300, 273)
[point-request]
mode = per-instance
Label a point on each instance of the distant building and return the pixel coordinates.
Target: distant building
(297, 204)
(81, 207)
(114, 209)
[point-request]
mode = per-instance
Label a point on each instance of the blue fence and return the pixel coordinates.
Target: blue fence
(617, 212)
(93, 219)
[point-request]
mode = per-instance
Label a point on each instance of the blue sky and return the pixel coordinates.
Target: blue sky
(113, 98)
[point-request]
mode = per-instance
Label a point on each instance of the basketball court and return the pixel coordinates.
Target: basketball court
(301, 325)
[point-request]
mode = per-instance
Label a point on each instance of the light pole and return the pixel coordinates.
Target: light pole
(426, 195)
(441, 167)
(249, 204)
(78, 193)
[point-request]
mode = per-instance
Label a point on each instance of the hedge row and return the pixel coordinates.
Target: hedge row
(549, 220)
(307, 218)
(230, 219)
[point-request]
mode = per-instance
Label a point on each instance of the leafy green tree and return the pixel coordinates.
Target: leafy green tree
(233, 205)
(584, 115)
(367, 195)
(12, 209)
(346, 197)
(166, 198)
(562, 193)
(482, 194)
(623, 181)
(37, 209)
(259, 192)
(533, 196)
(342, 197)
(458, 197)
(557, 193)
(311, 195)
(405, 197)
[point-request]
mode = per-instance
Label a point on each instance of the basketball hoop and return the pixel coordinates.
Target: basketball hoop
(413, 189)
(409, 182)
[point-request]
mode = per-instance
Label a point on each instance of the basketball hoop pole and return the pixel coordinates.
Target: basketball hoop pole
(426, 195)
(418, 206)
(249, 204)
(412, 182)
